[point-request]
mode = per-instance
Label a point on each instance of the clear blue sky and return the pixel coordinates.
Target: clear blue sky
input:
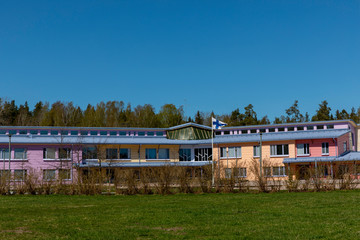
(204, 55)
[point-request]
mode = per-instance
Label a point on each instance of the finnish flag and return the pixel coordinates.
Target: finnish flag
(216, 124)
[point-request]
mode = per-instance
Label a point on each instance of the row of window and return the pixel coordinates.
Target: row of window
(268, 172)
(81, 133)
(275, 150)
(281, 129)
(19, 153)
(48, 174)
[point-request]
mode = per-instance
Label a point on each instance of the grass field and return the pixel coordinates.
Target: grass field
(324, 215)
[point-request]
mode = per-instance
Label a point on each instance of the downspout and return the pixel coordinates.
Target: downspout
(336, 155)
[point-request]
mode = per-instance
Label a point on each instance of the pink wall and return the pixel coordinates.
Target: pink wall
(315, 146)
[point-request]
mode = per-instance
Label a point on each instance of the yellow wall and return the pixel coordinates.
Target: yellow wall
(247, 156)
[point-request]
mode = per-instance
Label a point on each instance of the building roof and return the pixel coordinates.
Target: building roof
(86, 164)
(280, 136)
(348, 156)
(153, 140)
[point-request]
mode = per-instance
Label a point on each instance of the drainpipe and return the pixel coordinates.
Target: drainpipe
(336, 154)
(260, 154)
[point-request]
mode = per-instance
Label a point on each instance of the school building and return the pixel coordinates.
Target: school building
(329, 147)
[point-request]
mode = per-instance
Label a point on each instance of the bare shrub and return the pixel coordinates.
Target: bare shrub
(163, 177)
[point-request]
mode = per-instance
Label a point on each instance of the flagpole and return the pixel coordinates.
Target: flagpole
(212, 154)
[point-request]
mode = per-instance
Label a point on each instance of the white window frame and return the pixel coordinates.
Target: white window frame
(45, 151)
(48, 179)
(24, 154)
(67, 169)
(274, 148)
(325, 146)
(236, 151)
(281, 170)
(256, 150)
(305, 147)
(24, 174)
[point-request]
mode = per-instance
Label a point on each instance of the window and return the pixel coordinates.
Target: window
(44, 132)
(267, 171)
(22, 132)
(54, 132)
(122, 133)
(150, 153)
(345, 146)
(185, 154)
(124, 153)
(300, 128)
(4, 153)
(74, 133)
(103, 133)
(19, 153)
(4, 174)
(19, 175)
(12, 132)
(113, 133)
(256, 151)
(150, 133)
(320, 127)
(310, 128)
(163, 153)
(279, 171)
(64, 174)
(227, 172)
(93, 133)
(223, 152)
(279, 150)
(325, 148)
(89, 153)
(84, 133)
(48, 175)
(234, 152)
(203, 154)
(240, 172)
(141, 133)
(159, 134)
(303, 149)
(64, 153)
(2, 132)
(49, 153)
(111, 153)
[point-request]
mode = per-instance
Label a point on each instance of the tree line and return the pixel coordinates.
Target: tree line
(119, 114)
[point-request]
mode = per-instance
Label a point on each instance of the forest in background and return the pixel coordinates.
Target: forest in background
(119, 114)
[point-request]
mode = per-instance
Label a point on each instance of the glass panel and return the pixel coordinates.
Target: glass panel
(163, 153)
(44, 132)
(83, 133)
(49, 175)
(93, 133)
(19, 153)
(12, 132)
(54, 132)
(184, 154)
(256, 151)
(150, 153)
(286, 149)
(124, 153)
(159, 134)
(103, 133)
(112, 133)
(23, 132)
(74, 133)
(122, 133)
(33, 132)
(49, 153)
(4, 153)
(111, 153)
(231, 152)
(141, 133)
(64, 174)
(300, 128)
(64, 153)
(300, 149)
(89, 153)
(2, 132)
(19, 175)
(223, 152)
(150, 133)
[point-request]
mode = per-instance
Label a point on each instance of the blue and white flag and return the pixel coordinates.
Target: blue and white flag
(216, 124)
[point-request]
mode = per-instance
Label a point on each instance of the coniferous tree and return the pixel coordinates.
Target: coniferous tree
(199, 119)
(323, 113)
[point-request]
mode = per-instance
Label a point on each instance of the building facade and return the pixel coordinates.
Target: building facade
(330, 148)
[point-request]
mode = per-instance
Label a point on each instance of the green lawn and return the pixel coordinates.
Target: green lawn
(324, 215)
